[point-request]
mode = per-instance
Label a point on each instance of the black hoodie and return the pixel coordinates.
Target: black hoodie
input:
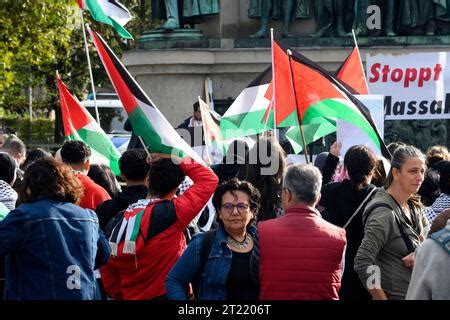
(108, 209)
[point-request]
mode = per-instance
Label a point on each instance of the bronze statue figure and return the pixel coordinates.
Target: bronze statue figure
(331, 17)
(287, 10)
(191, 12)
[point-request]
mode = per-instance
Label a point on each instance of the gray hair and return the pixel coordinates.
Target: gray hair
(400, 156)
(15, 146)
(304, 181)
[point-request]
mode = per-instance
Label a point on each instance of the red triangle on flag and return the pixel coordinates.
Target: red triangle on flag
(352, 74)
(74, 115)
(284, 94)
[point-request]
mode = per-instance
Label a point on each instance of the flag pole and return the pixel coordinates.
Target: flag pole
(206, 93)
(299, 117)
(273, 89)
(360, 60)
(208, 156)
(89, 66)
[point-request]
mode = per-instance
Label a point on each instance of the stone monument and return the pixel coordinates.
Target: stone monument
(227, 42)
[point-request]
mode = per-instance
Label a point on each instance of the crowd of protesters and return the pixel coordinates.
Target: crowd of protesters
(281, 231)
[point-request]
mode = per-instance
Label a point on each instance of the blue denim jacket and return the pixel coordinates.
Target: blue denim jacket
(212, 284)
(52, 248)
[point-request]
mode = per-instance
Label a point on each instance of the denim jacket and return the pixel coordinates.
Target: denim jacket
(212, 283)
(52, 249)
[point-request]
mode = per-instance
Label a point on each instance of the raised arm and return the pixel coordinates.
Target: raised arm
(195, 198)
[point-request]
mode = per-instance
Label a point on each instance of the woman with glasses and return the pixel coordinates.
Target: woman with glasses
(217, 263)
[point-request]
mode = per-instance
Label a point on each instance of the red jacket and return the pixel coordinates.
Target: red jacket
(300, 257)
(142, 276)
(93, 193)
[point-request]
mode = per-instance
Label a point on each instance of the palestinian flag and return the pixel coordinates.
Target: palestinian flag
(211, 131)
(351, 72)
(248, 114)
(146, 119)
(285, 104)
(322, 98)
(80, 125)
(111, 12)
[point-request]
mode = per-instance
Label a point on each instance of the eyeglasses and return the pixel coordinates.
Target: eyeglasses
(228, 208)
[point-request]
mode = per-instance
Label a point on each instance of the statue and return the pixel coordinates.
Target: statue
(417, 16)
(442, 16)
(420, 133)
(390, 8)
(288, 10)
(331, 17)
(191, 11)
(360, 20)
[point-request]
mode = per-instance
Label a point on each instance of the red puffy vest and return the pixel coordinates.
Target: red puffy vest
(300, 257)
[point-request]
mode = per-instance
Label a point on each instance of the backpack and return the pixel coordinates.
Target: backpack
(112, 223)
(409, 244)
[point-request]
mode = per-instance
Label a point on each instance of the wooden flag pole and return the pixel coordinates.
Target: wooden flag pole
(299, 117)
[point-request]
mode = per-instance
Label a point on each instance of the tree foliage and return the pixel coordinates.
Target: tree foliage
(40, 37)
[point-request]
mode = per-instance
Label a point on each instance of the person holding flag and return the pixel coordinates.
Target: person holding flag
(149, 239)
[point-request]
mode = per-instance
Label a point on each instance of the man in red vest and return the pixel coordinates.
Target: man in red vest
(299, 255)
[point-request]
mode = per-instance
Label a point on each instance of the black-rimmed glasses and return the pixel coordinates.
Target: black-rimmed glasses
(242, 208)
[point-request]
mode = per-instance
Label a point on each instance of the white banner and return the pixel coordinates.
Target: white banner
(414, 85)
(350, 135)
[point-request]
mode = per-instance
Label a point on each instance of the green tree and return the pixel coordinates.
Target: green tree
(40, 37)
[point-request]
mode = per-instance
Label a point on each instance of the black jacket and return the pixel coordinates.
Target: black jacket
(340, 200)
(110, 208)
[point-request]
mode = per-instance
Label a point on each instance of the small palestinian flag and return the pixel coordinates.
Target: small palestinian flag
(351, 72)
(80, 125)
(111, 12)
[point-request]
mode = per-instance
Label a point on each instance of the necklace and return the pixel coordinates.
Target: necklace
(239, 244)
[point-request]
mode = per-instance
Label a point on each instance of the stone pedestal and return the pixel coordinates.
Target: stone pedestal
(173, 78)
(172, 66)
(179, 38)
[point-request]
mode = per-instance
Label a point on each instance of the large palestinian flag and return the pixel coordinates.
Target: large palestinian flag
(248, 114)
(323, 98)
(351, 72)
(146, 119)
(80, 125)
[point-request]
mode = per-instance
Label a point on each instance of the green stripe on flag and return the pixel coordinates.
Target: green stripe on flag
(312, 132)
(143, 128)
(99, 144)
(121, 30)
(331, 109)
(137, 225)
(97, 12)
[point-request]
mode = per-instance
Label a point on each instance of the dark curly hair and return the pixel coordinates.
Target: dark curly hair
(50, 178)
(233, 185)
(164, 177)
